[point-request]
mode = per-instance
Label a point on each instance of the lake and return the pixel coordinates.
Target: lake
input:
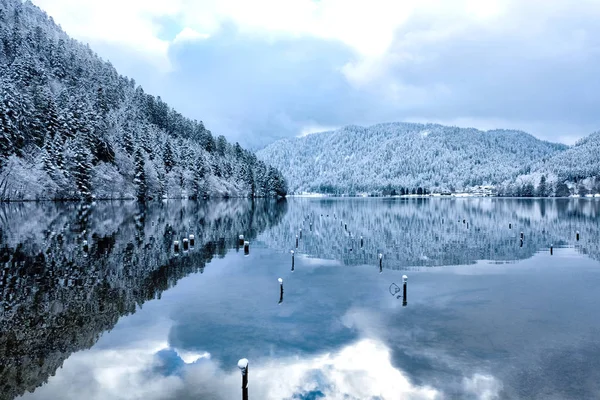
(96, 303)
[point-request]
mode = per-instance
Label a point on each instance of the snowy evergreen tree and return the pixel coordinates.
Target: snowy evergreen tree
(140, 176)
(562, 190)
(168, 156)
(542, 187)
(199, 185)
(82, 171)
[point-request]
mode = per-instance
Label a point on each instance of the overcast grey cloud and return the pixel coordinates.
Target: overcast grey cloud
(276, 69)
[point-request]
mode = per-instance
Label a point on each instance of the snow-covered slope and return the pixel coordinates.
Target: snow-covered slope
(575, 171)
(71, 127)
(405, 155)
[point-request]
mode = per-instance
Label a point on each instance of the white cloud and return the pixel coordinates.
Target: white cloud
(188, 34)
(361, 370)
(130, 24)
(529, 63)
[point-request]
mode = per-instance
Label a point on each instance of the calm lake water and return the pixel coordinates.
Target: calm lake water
(488, 315)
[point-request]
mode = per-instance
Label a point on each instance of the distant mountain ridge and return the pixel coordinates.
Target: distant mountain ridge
(575, 171)
(392, 156)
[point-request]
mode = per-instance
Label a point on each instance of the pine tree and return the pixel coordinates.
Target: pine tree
(82, 171)
(140, 176)
(47, 159)
(199, 180)
(168, 156)
(562, 190)
(128, 140)
(57, 151)
(542, 187)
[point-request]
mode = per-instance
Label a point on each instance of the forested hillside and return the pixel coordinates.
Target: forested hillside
(575, 171)
(391, 158)
(72, 128)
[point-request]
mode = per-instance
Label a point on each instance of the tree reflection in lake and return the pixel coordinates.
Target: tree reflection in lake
(417, 232)
(69, 272)
(468, 332)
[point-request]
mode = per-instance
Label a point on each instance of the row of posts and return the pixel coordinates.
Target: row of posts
(187, 243)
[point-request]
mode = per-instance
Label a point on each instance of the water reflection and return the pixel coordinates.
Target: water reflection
(437, 232)
(70, 272)
(523, 330)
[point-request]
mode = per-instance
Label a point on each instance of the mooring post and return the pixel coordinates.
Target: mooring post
(186, 244)
(241, 239)
(361, 242)
(509, 226)
(577, 235)
(551, 249)
(280, 290)
(176, 246)
(300, 233)
(292, 251)
(380, 260)
(192, 240)
(243, 366)
(246, 247)
(85, 246)
(296, 241)
(404, 282)
(522, 236)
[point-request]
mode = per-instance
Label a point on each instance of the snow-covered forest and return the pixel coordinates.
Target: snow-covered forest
(575, 171)
(399, 157)
(72, 128)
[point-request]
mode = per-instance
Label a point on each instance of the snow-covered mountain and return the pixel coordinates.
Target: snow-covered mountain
(71, 127)
(575, 171)
(404, 156)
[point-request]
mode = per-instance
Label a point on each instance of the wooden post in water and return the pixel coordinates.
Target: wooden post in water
(243, 366)
(296, 241)
(551, 249)
(241, 240)
(246, 247)
(509, 226)
(300, 233)
(292, 251)
(186, 244)
(577, 235)
(404, 295)
(522, 236)
(86, 248)
(361, 242)
(380, 260)
(176, 246)
(280, 290)
(192, 240)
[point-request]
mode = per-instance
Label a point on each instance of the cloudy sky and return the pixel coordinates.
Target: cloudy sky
(264, 69)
